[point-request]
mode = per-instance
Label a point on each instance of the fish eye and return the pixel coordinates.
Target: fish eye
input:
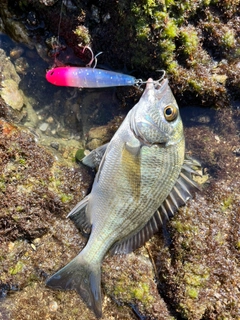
(170, 113)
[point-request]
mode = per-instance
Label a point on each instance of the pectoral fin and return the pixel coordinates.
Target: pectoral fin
(133, 146)
(94, 158)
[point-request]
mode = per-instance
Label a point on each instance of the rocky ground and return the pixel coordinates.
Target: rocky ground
(191, 270)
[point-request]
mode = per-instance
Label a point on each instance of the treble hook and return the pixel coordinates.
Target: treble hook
(162, 77)
(94, 58)
(140, 82)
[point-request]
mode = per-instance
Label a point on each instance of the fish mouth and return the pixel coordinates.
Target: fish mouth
(158, 85)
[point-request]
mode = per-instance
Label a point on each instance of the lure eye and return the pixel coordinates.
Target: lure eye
(170, 113)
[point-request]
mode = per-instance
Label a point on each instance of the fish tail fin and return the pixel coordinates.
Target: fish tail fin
(79, 275)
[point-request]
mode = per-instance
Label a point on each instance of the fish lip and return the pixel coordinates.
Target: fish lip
(159, 86)
(155, 90)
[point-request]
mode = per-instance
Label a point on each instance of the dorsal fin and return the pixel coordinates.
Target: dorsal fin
(79, 217)
(179, 195)
(94, 158)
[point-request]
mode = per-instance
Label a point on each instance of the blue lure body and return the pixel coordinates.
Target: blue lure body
(88, 77)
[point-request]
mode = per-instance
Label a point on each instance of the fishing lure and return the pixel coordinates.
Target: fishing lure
(85, 77)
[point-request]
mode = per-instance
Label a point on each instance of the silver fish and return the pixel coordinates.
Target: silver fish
(143, 178)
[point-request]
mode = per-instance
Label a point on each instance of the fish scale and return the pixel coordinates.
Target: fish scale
(142, 179)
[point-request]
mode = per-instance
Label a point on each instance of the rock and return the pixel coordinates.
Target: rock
(48, 2)
(36, 192)
(43, 127)
(11, 94)
(7, 68)
(13, 27)
(97, 137)
(197, 256)
(10, 91)
(199, 270)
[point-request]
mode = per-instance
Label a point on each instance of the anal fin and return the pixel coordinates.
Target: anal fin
(137, 240)
(94, 158)
(79, 217)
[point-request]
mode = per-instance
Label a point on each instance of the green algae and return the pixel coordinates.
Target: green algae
(65, 198)
(227, 203)
(171, 29)
(195, 279)
(195, 84)
(131, 283)
(185, 227)
(83, 35)
(79, 154)
(228, 39)
(238, 244)
(189, 39)
(2, 185)
(220, 238)
(192, 292)
(22, 161)
(140, 291)
(17, 268)
(163, 39)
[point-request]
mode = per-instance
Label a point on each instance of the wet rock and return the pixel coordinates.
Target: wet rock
(36, 191)
(43, 127)
(201, 57)
(11, 94)
(7, 68)
(48, 2)
(16, 52)
(129, 280)
(21, 65)
(199, 270)
(198, 256)
(97, 137)
(13, 27)
(10, 91)
(54, 145)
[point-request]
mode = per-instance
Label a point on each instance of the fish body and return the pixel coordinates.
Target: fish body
(88, 77)
(143, 177)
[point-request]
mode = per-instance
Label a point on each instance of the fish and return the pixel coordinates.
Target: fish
(86, 77)
(143, 177)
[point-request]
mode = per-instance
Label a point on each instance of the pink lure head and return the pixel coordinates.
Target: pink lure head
(58, 76)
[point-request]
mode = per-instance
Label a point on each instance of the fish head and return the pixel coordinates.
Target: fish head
(155, 119)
